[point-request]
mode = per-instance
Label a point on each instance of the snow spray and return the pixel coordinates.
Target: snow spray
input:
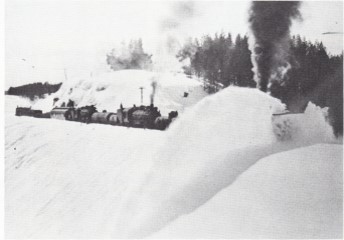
(203, 154)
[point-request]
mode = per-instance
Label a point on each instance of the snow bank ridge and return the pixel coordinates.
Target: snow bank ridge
(206, 150)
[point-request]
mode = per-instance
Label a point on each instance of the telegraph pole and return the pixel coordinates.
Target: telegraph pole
(141, 88)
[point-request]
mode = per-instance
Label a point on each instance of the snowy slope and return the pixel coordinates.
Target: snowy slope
(110, 89)
(293, 194)
(70, 180)
(206, 150)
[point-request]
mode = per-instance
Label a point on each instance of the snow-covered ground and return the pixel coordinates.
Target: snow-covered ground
(219, 171)
(293, 194)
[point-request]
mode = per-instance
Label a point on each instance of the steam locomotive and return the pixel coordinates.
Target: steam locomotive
(139, 117)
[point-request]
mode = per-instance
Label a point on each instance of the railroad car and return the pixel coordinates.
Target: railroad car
(63, 113)
(24, 111)
(102, 117)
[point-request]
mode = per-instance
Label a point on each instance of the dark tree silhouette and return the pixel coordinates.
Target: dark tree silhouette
(34, 90)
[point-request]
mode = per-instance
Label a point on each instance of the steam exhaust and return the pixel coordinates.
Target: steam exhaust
(270, 23)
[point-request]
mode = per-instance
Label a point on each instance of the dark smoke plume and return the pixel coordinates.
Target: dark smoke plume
(270, 27)
(154, 84)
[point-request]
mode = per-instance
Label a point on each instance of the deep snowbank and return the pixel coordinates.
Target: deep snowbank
(67, 179)
(63, 179)
(108, 90)
(293, 194)
(206, 150)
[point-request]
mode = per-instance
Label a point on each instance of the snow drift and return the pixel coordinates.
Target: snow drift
(67, 179)
(63, 179)
(293, 194)
(108, 90)
(206, 150)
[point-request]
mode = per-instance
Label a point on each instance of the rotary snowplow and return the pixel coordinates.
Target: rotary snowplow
(284, 124)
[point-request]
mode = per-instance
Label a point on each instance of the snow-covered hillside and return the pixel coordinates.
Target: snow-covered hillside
(108, 90)
(218, 170)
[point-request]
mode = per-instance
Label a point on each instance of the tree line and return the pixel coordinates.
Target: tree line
(34, 90)
(218, 61)
(314, 75)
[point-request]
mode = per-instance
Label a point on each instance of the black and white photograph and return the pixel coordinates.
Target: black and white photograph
(188, 119)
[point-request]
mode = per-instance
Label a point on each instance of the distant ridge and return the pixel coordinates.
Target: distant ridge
(326, 33)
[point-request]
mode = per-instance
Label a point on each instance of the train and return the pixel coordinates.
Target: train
(138, 117)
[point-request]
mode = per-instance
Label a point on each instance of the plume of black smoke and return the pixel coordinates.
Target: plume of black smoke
(154, 84)
(269, 42)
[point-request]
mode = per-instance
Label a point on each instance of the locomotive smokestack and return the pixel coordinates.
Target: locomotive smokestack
(270, 23)
(154, 83)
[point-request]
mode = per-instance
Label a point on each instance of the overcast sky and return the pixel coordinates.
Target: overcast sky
(44, 37)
